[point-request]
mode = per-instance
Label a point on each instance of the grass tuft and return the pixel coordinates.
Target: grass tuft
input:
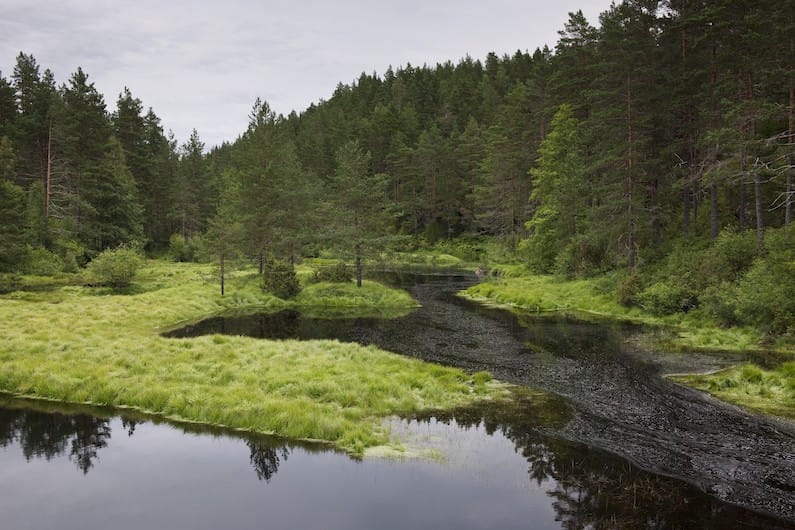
(751, 387)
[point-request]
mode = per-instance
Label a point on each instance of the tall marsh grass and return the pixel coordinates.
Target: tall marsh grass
(106, 350)
(767, 391)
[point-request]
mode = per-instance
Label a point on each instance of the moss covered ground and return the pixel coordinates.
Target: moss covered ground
(93, 345)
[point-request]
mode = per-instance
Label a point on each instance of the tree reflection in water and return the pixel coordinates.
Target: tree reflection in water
(265, 458)
(592, 489)
(588, 488)
(50, 435)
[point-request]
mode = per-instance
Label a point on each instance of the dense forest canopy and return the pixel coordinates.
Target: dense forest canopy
(668, 121)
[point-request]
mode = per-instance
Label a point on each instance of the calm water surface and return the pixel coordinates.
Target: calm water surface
(612, 445)
(79, 469)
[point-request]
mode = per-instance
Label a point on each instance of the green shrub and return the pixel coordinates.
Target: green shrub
(115, 267)
(279, 279)
(182, 250)
(729, 256)
(338, 273)
(722, 303)
(767, 293)
(665, 299)
(629, 288)
(42, 262)
(465, 248)
(9, 282)
(73, 255)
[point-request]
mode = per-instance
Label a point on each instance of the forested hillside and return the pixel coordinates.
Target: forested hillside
(628, 141)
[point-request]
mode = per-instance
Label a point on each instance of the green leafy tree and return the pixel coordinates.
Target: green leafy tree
(223, 239)
(146, 155)
(115, 213)
(358, 205)
(193, 196)
(560, 195)
(13, 249)
(84, 138)
(8, 108)
(277, 192)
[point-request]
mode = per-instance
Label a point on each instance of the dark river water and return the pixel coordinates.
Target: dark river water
(614, 446)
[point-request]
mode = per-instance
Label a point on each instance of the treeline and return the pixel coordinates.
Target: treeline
(77, 178)
(670, 121)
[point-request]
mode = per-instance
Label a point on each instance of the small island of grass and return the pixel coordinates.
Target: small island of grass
(93, 345)
(767, 391)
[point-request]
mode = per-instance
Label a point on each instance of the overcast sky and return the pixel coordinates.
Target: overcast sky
(202, 64)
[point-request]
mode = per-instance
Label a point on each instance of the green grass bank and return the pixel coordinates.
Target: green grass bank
(749, 386)
(93, 345)
(766, 391)
(596, 297)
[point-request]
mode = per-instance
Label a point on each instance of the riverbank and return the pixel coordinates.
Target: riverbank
(93, 345)
(770, 392)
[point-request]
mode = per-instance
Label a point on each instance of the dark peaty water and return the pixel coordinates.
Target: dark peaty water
(84, 468)
(619, 400)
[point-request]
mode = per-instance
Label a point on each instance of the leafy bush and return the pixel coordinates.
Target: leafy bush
(768, 295)
(338, 273)
(280, 279)
(629, 289)
(9, 282)
(115, 267)
(729, 256)
(665, 299)
(182, 250)
(42, 262)
(74, 255)
(722, 303)
(466, 248)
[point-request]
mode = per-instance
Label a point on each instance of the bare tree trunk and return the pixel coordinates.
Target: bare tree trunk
(790, 141)
(788, 207)
(223, 271)
(357, 250)
(688, 119)
(713, 210)
(358, 263)
(760, 220)
(686, 210)
(48, 182)
(630, 181)
(741, 212)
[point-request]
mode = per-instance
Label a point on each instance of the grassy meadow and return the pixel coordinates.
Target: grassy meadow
(93, 345)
